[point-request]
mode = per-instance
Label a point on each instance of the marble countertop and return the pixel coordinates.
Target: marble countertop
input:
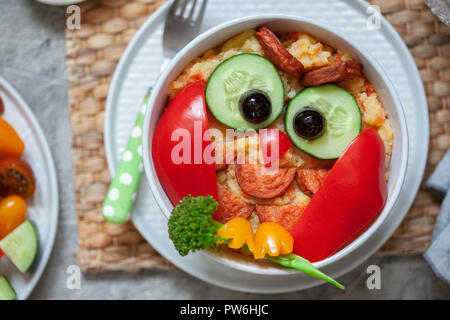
(32, 59)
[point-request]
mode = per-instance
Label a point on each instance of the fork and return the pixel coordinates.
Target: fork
(182, 25)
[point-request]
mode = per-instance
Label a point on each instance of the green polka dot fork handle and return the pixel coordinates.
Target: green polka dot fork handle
(122, 191)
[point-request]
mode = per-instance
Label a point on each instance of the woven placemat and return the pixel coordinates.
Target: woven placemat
(428, 40)
(92, 54)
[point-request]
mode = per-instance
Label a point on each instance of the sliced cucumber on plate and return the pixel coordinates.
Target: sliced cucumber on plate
(245, 92)
(323, 120)
(21, 246)
(6, 290)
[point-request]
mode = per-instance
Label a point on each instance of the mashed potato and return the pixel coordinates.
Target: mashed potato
(309, 51)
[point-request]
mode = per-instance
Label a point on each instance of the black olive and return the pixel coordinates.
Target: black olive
(309, 123)
(255, 106)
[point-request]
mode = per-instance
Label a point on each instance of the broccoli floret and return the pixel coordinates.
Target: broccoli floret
(191, 225)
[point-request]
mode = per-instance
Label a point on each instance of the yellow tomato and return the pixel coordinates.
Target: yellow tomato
(240, 231)
(10, 142)
(273, 239)
(12, 214)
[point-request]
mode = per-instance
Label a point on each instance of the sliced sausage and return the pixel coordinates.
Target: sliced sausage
(261, 182)
(310, 180)
(341, 71)
(286, 215)
(220, 166)
(2, 106)
(231, 206)
(277, 53)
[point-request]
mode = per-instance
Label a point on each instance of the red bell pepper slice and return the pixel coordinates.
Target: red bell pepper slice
(273, 138)
(178, 146)
(350, 198)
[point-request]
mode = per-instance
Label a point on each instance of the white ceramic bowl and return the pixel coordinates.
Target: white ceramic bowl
(280, 23)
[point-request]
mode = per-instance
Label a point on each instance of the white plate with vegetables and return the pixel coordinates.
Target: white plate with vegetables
(138, 69)
(28, 197)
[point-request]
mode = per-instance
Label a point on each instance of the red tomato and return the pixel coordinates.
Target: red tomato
(10, 142)
(276, 138)
(12, 214)
(178, 147)
(16, 177)
(350, 198)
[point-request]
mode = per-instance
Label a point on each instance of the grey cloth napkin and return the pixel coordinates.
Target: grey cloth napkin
(438, 254)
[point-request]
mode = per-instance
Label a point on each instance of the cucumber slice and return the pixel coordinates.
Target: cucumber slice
(343, 120)
(21, 246)
(234, 77)
(6, 291)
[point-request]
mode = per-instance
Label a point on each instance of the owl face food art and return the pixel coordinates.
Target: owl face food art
(292, 137)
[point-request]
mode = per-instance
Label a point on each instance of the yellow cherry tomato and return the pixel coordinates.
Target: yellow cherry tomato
(240, 231)
(12, 214)
(10, 142)
(273, 239)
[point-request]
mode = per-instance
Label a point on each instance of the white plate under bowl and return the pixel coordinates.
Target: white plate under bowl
(43, 206)
(139, 68)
